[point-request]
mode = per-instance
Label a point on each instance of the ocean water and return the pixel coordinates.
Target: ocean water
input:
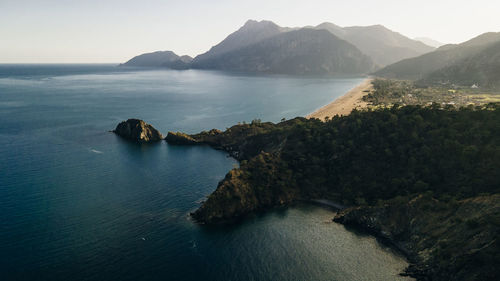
(79, 203)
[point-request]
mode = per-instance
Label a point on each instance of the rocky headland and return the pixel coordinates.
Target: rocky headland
(413, 176)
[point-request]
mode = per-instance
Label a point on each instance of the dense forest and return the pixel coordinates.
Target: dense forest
(369, 159)
(372, 155)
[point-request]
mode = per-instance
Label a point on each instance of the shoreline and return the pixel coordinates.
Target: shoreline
(345, 104)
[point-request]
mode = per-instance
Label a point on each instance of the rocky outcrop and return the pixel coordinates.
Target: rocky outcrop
(138, 131)
(455, 240)
(179, 138)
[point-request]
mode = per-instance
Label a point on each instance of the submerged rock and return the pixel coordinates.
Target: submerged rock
(138, 131)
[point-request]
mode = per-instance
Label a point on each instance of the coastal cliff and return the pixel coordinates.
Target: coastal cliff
(241, 192)
(415, 176)
(138, 131)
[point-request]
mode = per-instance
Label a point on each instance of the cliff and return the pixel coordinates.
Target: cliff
(138, 131)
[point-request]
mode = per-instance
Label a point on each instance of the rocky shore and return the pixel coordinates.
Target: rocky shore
(442, 240)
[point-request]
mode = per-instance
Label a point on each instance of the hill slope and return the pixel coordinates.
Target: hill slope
(304, 51)
(451, 59)
(482, 69)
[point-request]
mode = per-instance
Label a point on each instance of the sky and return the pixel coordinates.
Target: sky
(101, 31)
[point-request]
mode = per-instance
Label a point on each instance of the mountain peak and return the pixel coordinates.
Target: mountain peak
(252, 32)
(257, 24)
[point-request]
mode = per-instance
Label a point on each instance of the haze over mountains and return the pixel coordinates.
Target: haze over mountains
(476, 61)
(381, 44)
(265, 47)
(429, 42)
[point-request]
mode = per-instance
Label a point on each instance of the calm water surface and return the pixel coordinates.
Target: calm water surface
(78, 203)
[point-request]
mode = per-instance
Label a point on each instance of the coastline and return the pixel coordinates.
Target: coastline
(344, 104)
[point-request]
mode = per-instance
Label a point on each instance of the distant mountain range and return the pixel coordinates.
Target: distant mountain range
(264, 47)
(476, 61)
(381, 44)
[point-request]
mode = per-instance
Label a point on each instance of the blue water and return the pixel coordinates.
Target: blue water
(79, 203)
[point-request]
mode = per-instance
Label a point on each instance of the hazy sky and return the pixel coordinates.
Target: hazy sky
(115, 30)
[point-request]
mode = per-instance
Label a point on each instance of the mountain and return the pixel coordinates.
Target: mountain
(384, 46)
(304, 51)
(429, 42)
(446, 60)
(250, 33)
(160, 59)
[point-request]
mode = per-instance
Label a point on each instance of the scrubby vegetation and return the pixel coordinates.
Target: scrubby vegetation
(377, 159)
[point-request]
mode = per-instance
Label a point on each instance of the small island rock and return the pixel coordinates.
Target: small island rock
(138, 131)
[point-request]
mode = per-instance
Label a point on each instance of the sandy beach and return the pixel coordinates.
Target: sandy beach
(344, 104)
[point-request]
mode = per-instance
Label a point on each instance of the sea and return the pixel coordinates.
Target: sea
(79, 203)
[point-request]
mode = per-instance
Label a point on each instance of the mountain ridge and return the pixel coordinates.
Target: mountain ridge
(253, 32)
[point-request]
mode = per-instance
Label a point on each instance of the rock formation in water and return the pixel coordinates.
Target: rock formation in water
(138, 131)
